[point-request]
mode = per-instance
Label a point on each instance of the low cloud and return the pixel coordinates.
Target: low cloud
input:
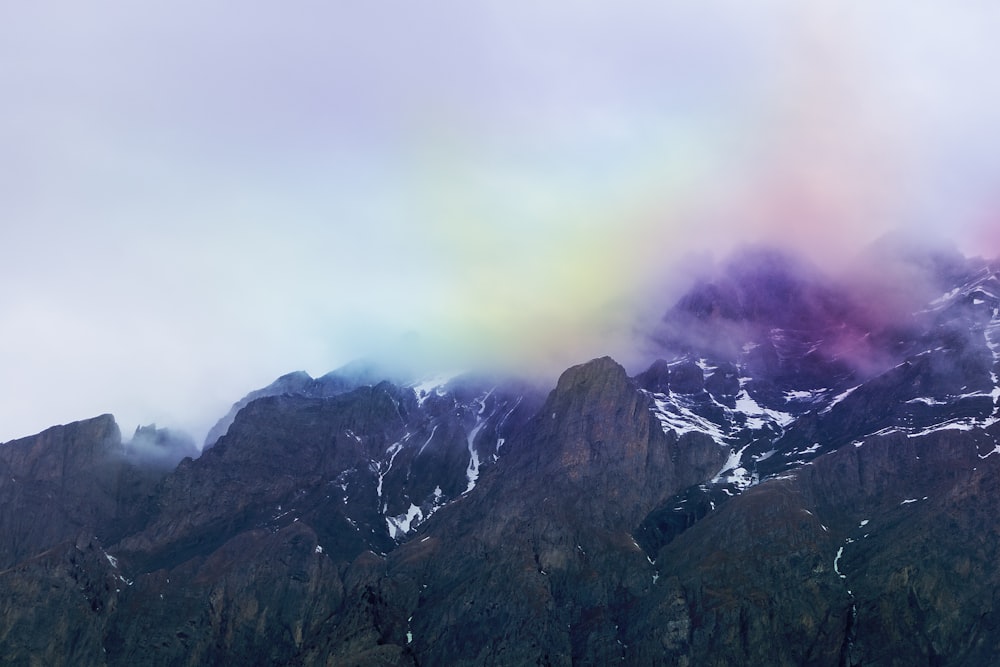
(159, 449)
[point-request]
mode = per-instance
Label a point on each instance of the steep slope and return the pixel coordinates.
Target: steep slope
(68, 481)
(539, 566)
(801, 479)
(270, 520)
(350, 376)
(936, 368)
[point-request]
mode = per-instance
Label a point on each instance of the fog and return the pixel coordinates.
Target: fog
(199, 197)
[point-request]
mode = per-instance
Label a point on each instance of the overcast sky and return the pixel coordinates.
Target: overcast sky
(196, 197)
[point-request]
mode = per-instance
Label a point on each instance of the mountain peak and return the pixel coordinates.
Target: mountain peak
(757, 461)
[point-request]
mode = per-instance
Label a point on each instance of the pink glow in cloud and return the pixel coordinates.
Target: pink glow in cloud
(206, 195)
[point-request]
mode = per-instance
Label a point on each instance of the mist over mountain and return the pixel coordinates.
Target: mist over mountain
(802, 471)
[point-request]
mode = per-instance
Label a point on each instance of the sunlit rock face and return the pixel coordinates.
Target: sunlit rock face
(805, 474)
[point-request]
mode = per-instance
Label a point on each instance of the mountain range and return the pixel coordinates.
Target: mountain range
(805, 472)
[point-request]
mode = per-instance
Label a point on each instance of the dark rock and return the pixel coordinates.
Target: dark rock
(724, 382)
(67, 480)
(843, 511)
(656, 378)
(687, 378)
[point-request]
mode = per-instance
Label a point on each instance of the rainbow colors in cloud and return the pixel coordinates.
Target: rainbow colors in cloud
(245, 190)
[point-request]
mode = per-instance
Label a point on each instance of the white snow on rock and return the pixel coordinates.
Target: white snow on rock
(733, 472)
(837, 399)
(836, 563)
(472, 472)
(992, 335)
(928, 401)
(759, 416)
(429, 438)
(995, 450)
(944, 298)
(402, 524)
(675, 414)
(424, 389)
(804, 396)
(393, 451)
(811, 449)
(705, 367)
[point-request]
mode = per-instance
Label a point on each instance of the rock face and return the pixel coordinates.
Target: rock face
(67, 481)
(806, 485)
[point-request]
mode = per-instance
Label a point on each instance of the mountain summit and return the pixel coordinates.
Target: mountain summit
(806, 474)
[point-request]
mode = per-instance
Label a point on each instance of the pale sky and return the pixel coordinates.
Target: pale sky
(197, 197)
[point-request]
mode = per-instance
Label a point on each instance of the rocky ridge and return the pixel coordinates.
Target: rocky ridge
(797, 480)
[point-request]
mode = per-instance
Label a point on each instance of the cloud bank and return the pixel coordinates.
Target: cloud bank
(199, 197)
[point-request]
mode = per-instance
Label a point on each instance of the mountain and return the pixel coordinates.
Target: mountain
(806, 475)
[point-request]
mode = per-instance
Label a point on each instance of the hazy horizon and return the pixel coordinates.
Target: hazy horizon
(200, 197)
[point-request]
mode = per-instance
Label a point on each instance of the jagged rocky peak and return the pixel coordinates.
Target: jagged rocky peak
(757, 495)
(687, 377)
(760, 298)
(63, 449)
(597, 440)
(769, 314)
(759, 284)
(656, 378)
(160, 447)
(599, 387)
(597, 376)
(354, 374)
(67, 480)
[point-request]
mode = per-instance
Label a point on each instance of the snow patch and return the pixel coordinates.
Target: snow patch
(837, 399)
(429, 438)
(706, 368)
(424, 389)
(472, 471)
(675, 415)
(945, 297)
(990, 333)
(811, 449)
(965, 424)
(759, 416)
(503, 420)
(734, 473)
(393, 451)
(836, 563)
(927, 401)
(402, 524)
(804, 396)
